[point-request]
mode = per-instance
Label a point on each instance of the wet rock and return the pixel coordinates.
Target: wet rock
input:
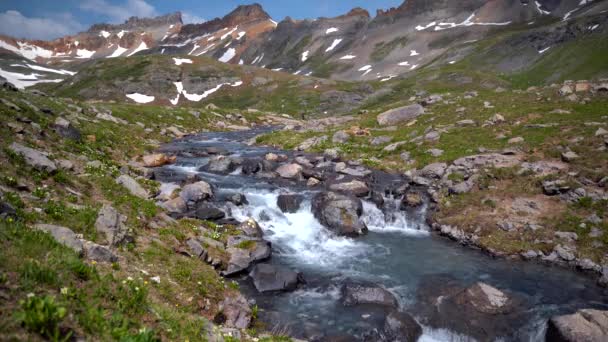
(411, 199)
(220, 164)
(271, 278)
(564, 252)
(584, 325)
(235, 311)
(251, 228)
(251, 166)
(339, 213)
(209, 213)
(399, 115)
(312, 182)
(157, 160)
(289, 203)
(65, 129)
(289, 171)
(400, 326)
(34, 158)
(238, 199)
(196, 192)
(360, 294)
(98, 253)
(132, 186)
(272, 157)
(63, 235)
(354, 187)
(112, 225)
(305, 162)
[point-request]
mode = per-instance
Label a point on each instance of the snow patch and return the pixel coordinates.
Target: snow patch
(388, 78)
(365, 68)
(277, 69)
(304, 55)
(23, 81)
(141, 47)
(540, 10)
(334, 44)
(41, 68)
(119, 51)
(348, 57)
(121, 33)
(104, 34)
(180, 89)
(140, 98)
(84, 53)
(241, 35)
(225, 35)
(180, 61)
(414, 53)
(241, 62)
(544, 50)
(228, 55)
(331, 30)
(406, 63)
(468, 22)
(198, 97)
(26, 50)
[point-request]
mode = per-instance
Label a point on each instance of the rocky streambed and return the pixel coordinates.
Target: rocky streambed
(333, 251)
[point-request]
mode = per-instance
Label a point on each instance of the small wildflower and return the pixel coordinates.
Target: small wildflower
(64, 291)
(30, 295)
(136, 288)
(156, 279)
(94, 262)
(129, 279)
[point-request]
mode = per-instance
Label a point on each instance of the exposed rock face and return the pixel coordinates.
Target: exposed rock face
(65, 129)
(270, 278)
(360, 294)
(236, 312)
(398, 115)
(112, 225)
(243, 258)
(339, 213)
(133, 186)
(209, 212)
(98, 253)
(584, 325)
(34, 158)
(64, 236)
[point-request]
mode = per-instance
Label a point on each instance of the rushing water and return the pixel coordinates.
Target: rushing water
(399, 253)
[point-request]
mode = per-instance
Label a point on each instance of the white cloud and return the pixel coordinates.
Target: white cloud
(15, 24)
(119, 13)
(189, 18)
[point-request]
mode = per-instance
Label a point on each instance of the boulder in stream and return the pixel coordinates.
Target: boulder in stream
(359, 294)
(339, 213)
(289, 203)
(584, 325)
(271, 278)
(400, 326)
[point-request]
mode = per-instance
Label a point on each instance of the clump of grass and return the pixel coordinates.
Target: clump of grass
(42, 315)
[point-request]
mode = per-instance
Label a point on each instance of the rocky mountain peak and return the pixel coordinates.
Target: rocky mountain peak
(358, 12)
(247, 13)
(140, 23)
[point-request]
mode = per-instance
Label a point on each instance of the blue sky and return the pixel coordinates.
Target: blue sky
(47, 19)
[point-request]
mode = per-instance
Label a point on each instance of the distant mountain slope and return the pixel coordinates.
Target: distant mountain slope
(354, 46)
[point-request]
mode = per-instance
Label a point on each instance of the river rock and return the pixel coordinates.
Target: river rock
(209, 212)
(339, 213)
(196, 192)
(157, 159)
(132, 186)
(112, 225)
(271, 278)
(435, 170)
(289, 171)
(34, 158)
(584, 325)
(289, 203)
(359, 294)
(399, 115)
(220, 164)
(251, 228)
(235, 311)
(400, 326)
(251, 166)
(63, 235)
(340, 137)
(175, 206)
(240, 259)
(354, 187)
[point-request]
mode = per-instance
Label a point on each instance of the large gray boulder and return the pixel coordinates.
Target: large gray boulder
(400, 326)
(289, 171)
(220, 164)
(242, 257)
(371, 294)
(271, 278)
(132, 186)
(289, 203)
(65, 129)
(398, 115)
(339, 213)
(98, 253)
(196, 192)
(112, 225)
(584, 325)
(63, 235)
(34, 158)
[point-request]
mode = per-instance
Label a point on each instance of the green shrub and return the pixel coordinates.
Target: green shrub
(41, 315)
(132, 297)
(33, 272)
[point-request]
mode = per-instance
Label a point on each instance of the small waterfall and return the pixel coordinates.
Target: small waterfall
(392, 219)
